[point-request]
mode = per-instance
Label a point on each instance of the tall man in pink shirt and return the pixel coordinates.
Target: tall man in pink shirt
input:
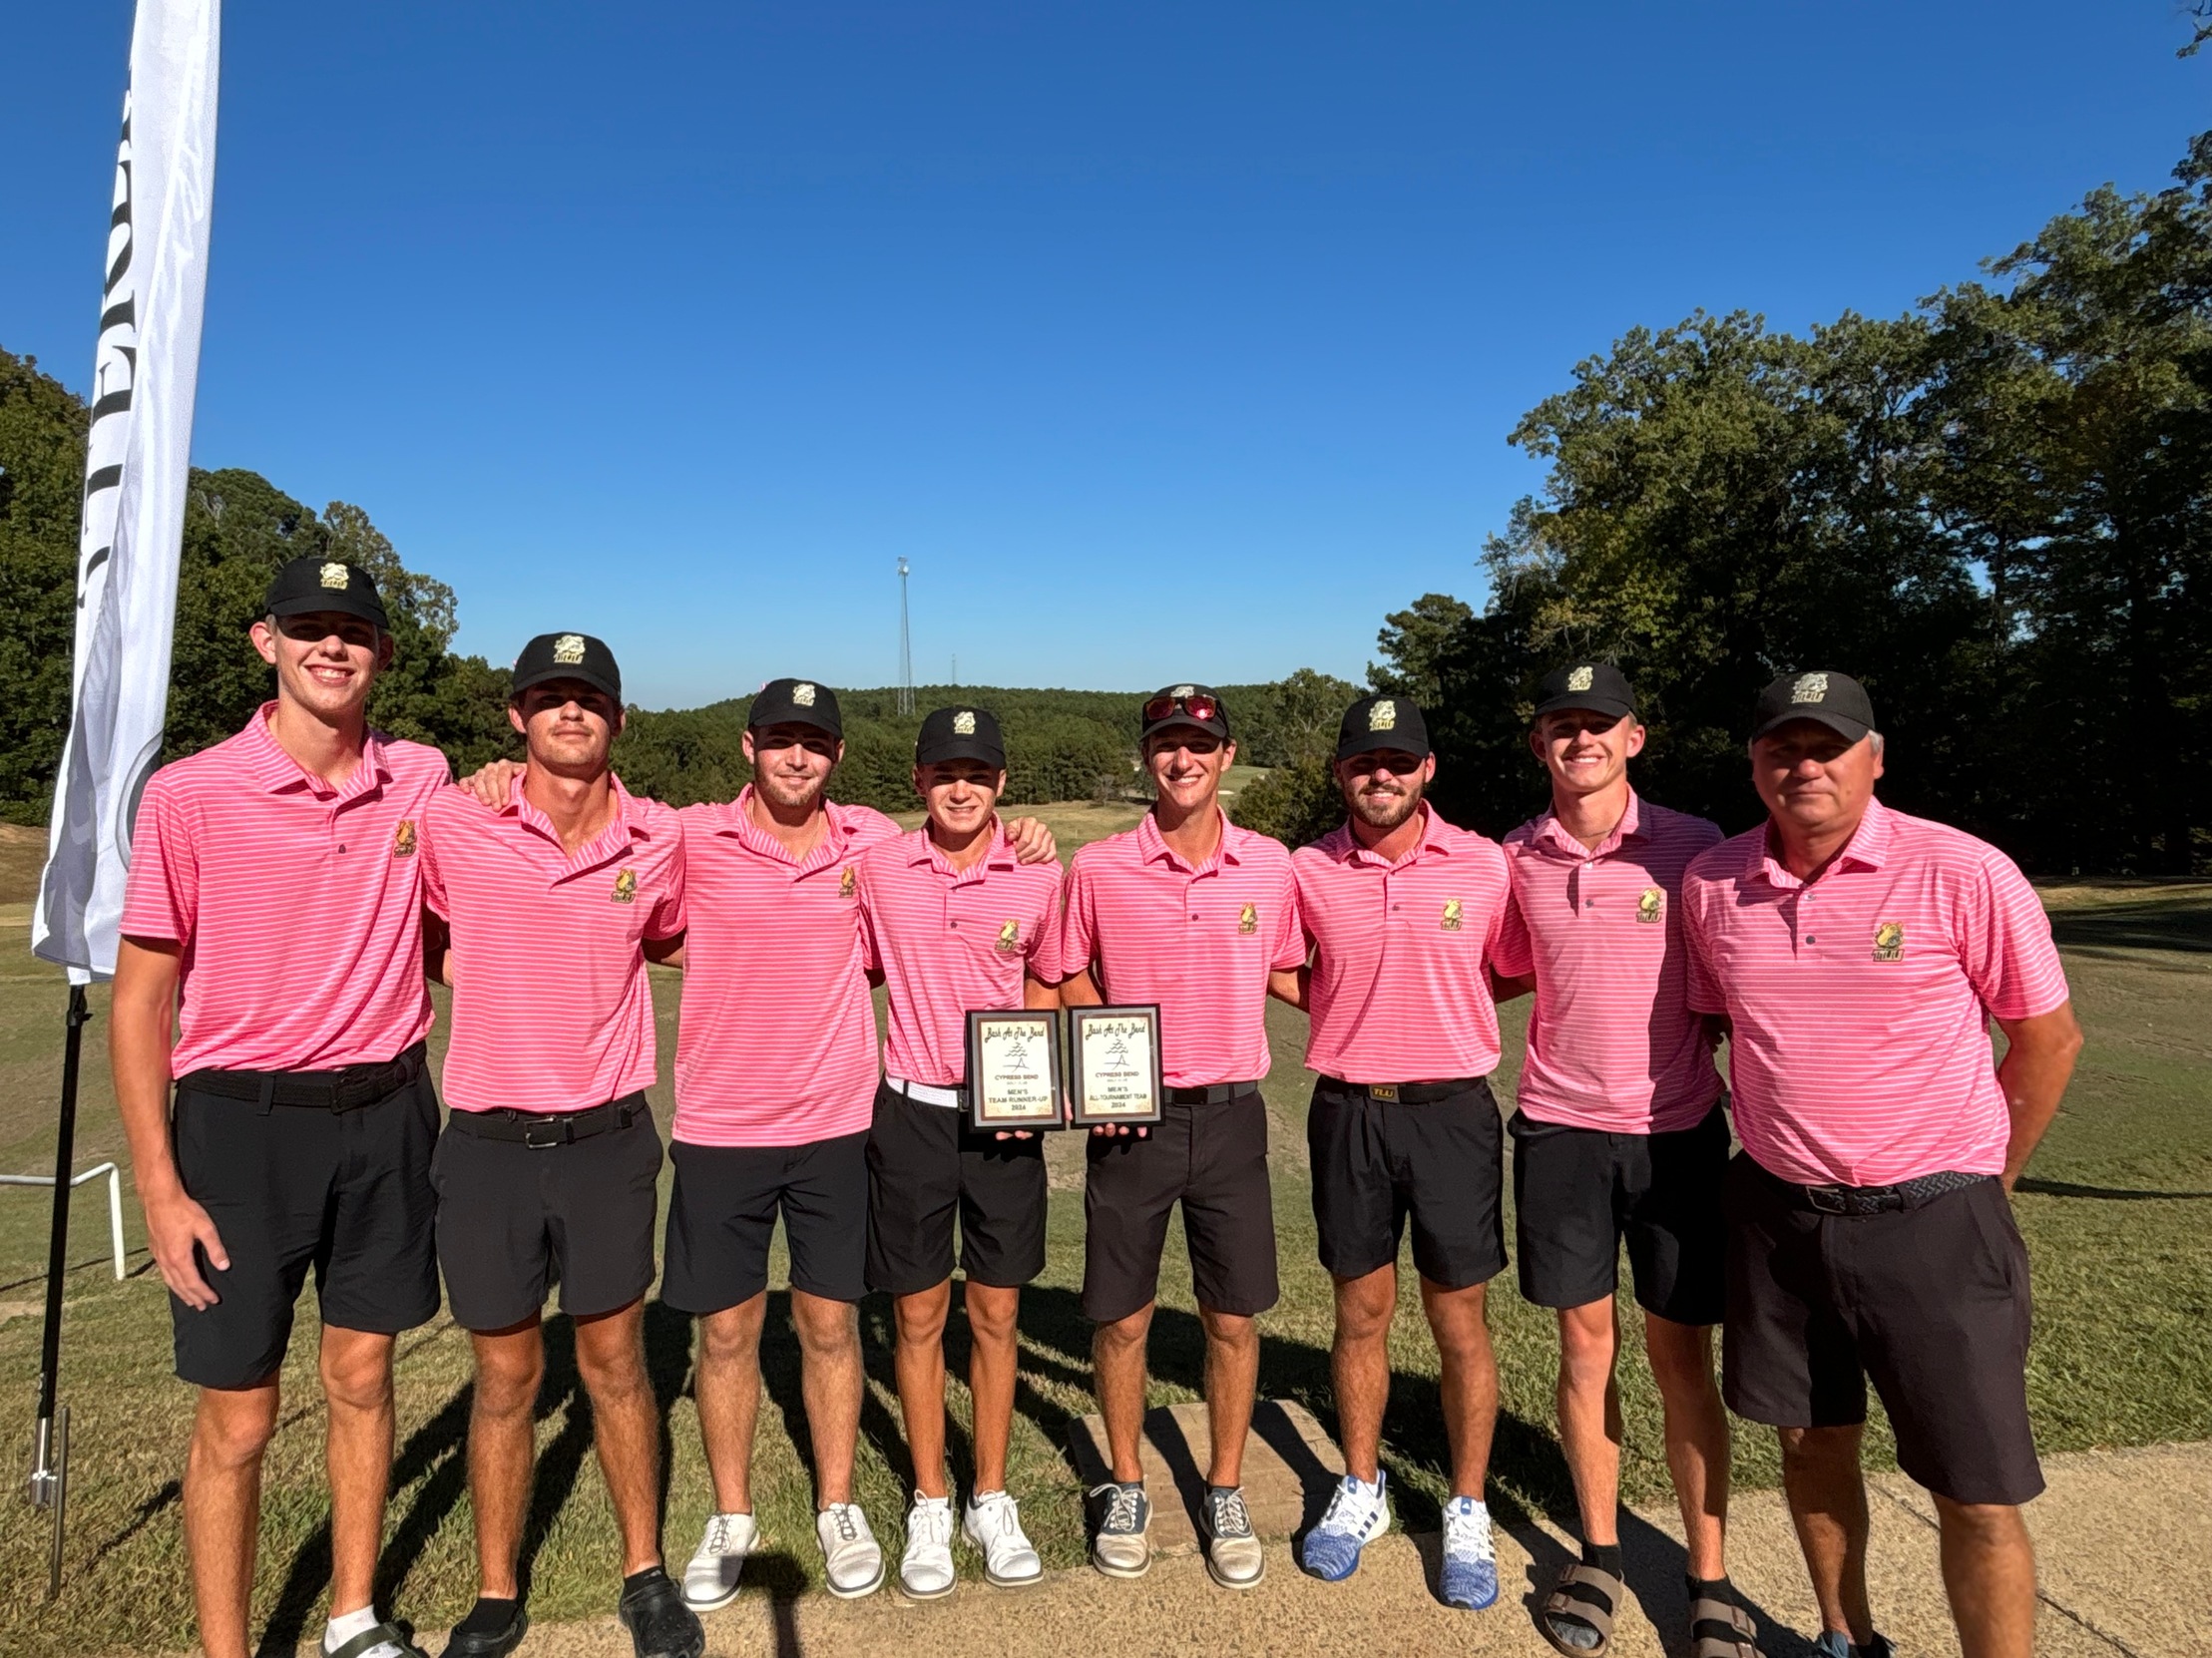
(549, 1166)
(274, 913)
(1404, 913)
(1859, 955)
(1192, 913)
(954, 923)
(1619, 1137)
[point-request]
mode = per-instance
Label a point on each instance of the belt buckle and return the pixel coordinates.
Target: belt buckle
(1828, 1200)
(555, 1133)
(1388, 1090)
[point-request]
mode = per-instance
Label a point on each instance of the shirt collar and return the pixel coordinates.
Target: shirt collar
(1868, 848)
(1431, 844)
(1152, 845)
(1552, 833)
(920, 849)
(738, 822)
(274, 769)
(626, 825)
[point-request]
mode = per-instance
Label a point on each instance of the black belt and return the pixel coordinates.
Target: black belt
(1405, 1094)
(328, 1090)
(542, 1130)
(1875, 1200)
(1218, 1093)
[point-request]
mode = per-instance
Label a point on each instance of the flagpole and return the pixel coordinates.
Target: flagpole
(49, 1467)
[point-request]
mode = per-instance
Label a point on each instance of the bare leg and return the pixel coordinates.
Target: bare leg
(510, 1364)
(1359, 1364)
(727, 1389)
(830, 1379)
(1990, 1573)
(357, 1381)
(1589, 1415)
(1458, 1320)
(920, 1363)
(625, 1427)
(1118, 1365)
(1697, 1437)
(1828, 1503)
(222, 1508)
(1232, 1377)
(993, 1357)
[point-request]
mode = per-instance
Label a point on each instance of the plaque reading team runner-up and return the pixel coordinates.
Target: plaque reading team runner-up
(1014, 1069)
(1115, 1058)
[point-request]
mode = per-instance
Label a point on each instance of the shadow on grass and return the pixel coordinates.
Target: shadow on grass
(2185, 927)
(2110, 1194)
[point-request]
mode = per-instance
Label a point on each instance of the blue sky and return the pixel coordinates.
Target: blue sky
(1166, 341)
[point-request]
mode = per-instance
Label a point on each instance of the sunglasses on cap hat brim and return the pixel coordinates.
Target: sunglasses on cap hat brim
(1199, 707)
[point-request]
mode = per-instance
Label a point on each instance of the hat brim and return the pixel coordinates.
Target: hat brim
(962, 748)
(1842, 724)
(581, 675)
(343, 602)
(1381, 742)
(1585, 699)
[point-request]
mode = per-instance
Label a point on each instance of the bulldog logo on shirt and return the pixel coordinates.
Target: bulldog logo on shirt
(1010, 938)
(625, 887)
(844, 883)
(1454, 914)
(1650, 906)
(1247, 919)
(403, 839)
(1889, 941)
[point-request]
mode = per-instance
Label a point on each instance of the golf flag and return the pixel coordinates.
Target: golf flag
(137, 459)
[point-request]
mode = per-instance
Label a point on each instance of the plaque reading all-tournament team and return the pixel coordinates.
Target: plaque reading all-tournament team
(1014, 1069)
(1115, 1055)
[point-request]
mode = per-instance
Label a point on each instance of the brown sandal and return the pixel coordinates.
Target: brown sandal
(1722, 1629)
(1589, 1595)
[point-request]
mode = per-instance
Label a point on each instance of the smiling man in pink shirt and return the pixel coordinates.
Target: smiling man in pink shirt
(1619, 1137)
(1859, 955)
(549, 1167)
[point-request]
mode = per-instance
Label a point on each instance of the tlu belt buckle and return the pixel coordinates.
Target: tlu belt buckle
(1387, 1091)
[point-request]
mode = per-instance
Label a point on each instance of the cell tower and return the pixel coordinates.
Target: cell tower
(906, 650)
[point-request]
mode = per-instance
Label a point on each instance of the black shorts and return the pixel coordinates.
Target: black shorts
(293, 1187)
(724, 1208)
(1437, 1161)
(1579, 1192)
(1931, 1301)
(513, 1219)
(925, 1166)
(1214, 1158)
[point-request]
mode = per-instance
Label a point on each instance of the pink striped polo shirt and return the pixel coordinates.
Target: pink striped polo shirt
(777, 1040)
(1199, 942)
(1399, 992)
(1612, 1044)
(551, 1008)
(1859, 1048)
(298, 906)
(951, 942)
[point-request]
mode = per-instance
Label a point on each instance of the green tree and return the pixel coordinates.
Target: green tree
(42, 475)
(1414, 643)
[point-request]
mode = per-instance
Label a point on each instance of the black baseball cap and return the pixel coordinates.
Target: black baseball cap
(307, 584)
(1835, 700)
(1184, 704)
(795, 702)
(568, 656)
(960, 735)
(1598, 687)
(1374, 724)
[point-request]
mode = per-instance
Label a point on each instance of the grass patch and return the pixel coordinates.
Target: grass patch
(2118, 1212)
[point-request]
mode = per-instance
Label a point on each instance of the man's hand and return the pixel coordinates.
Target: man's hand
(1032, 842)
(174, 1226)
(493, 784)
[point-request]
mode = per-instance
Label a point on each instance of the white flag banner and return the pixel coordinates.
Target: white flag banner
(136, 461)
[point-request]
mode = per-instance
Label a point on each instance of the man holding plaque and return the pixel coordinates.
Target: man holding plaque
(1193, 916)
(954, 921)
(1404, 912)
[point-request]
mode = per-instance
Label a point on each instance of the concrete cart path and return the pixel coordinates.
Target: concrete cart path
(2126, 1559)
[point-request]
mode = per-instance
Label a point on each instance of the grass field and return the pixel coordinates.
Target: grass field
(2118, 1211)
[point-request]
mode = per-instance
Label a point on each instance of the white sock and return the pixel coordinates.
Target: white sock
(339, 1630)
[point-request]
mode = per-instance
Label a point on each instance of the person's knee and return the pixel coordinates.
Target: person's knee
(1237, 1332)
(1681, 1362)
(1819, 1449)
(359, 1376)
(826, 1329)
(612, 1368)
(731, 1337)
(1364, 1308)
(1988, 1525)
(992, 1315)
(1123, 1336)
(231, 1429)
(921, 1318)
(506, 1384)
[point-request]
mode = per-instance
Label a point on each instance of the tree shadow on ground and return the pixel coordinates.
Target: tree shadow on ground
(2184, 925)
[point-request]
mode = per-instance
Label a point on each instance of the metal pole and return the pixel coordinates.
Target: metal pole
(49, 1475)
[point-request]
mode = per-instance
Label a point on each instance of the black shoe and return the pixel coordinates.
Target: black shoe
(660, 1624)
(473, 1645)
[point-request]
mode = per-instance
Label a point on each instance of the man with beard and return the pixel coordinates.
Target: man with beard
(1619, 1137)
(548, 1171)
(274, 913)
(1403, 912)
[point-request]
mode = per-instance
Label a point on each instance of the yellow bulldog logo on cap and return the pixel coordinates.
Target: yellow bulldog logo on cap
(335, 575)
(403, 838)
(1582, 678)
(625, 887)
(567, 650)
(802, 693)
(1809, 687)
(1889, 942)
(1383, 717)
(1010, 938)
(844, 883)
(1651, 904)
(1247, 919)
(1452, 917)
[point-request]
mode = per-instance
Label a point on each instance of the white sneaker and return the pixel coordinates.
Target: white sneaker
(850, 1552)
(711, 1580)
(993, 1522)
(1358, 1514)
(926, 1569)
